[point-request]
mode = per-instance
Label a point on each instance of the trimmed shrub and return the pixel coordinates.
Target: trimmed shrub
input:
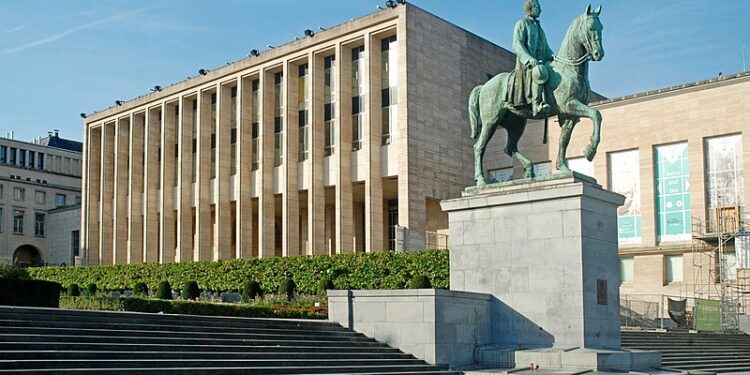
(140, 289)
(8, 271)
(376, 270)
(217, 309)
(251, 290)
(91, 289)
(74, 290)
(100, 302)
(420, 282)
(29, 293)
(164, 291)
(287, 287)
(325, 284)
(190, 290)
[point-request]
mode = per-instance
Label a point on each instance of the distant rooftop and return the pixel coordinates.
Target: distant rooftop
(54, 140)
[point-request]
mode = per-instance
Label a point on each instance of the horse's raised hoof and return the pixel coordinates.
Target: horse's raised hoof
(589, 152)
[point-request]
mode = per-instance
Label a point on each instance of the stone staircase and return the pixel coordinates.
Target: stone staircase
(54, 341)
(695, 352)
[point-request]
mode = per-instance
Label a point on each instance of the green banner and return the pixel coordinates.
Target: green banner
(707, 315)
(673, 193)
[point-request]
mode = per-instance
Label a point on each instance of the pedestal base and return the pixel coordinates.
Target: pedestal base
(571, 359)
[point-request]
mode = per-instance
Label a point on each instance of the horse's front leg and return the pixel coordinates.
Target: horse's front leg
(578, 109)
(480, 146)
(566, 131)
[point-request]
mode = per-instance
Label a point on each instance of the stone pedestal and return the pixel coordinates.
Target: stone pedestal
(546, 251)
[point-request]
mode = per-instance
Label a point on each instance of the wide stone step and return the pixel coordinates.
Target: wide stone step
(41, 314)
(91, 354)
(92, 346)
(172, 334)
(21, 322)
(181, 340)
(225, 362)
(364, 370)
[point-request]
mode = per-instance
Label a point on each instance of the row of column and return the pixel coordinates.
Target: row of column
(135, 213)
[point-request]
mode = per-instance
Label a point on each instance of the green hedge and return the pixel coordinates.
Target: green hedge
(29, 293)
(380, 270)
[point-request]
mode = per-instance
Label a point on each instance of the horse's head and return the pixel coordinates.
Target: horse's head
(590, 33)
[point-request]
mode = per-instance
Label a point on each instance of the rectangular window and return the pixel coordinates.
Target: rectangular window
(627, 269)
(18, 221)
(672, 173)
(75, 242)
(40, 197)
(12, 157)
(278, 136)
(3, 154)
(2, 215)
(358, 97)
(32, 158)
(501, 174)
(673, 268)
(542, 169)
(389, 87)
(303, 105)
(2, 191)
(256, 125)
(195, 140)
(19, 194)
(78, 199)
(625, 179)
(39, 224)
(233, 135)
(213, 135)
(22, 157)
(40, 162)
(724, 182)
(329, 102)
(59, 200)
(256, 153)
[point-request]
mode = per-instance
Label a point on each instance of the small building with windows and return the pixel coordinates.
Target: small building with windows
(40, 200)
(344, 140)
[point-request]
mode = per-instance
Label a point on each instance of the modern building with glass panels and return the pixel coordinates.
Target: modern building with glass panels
(344, 140)
(40, 201)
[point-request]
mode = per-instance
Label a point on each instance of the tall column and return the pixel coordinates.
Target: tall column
(223, 160)
(92, 196)
(185, 183)
(290, 200)
(153, 177)
(135, 224)
(204, 242)
(266, 211)
(343, 156)
(169, 149)
(244, 158)
(316, 194)
(108, 188)
(373, 141)
(122, 159)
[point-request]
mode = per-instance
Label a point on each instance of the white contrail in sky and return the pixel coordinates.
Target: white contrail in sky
(14, 29)
(73, 30)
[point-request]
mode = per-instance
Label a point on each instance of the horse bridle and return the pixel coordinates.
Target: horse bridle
(586, 57)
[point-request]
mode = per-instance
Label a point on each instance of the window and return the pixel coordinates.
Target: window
(40, 197)
(22, 158)
(78, 199)
(329, 115)
(39, 224)
(213, 135)
(40, 161)
(59, 200)
(195, 141)
(358, 97)
(1, 220)
(724, 182)
(278, 121)
(627, 269)
(625, 179)
(303, 105)
(12, 155)
(2, 191)
(389, 88)
(19, 194)
(256, 124)
(75, 242)
(672, 174)
(233, 135)
(502, 174)
(542, 169)
(32, 155)
(673, 265)
(3, 154)
(18, 221)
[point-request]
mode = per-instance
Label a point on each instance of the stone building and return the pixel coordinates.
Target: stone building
(678, 154)
(343, 140)
(40, 196)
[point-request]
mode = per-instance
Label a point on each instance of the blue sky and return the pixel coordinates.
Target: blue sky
(59, 58)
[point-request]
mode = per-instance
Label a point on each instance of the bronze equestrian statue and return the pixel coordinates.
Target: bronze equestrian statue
(543, 85)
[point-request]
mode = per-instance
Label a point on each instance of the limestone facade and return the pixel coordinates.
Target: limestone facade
(40, 194)
(344, 141)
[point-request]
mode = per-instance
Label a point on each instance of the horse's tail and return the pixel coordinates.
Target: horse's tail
(476, 122)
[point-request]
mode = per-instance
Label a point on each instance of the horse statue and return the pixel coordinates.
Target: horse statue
(568, 93)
